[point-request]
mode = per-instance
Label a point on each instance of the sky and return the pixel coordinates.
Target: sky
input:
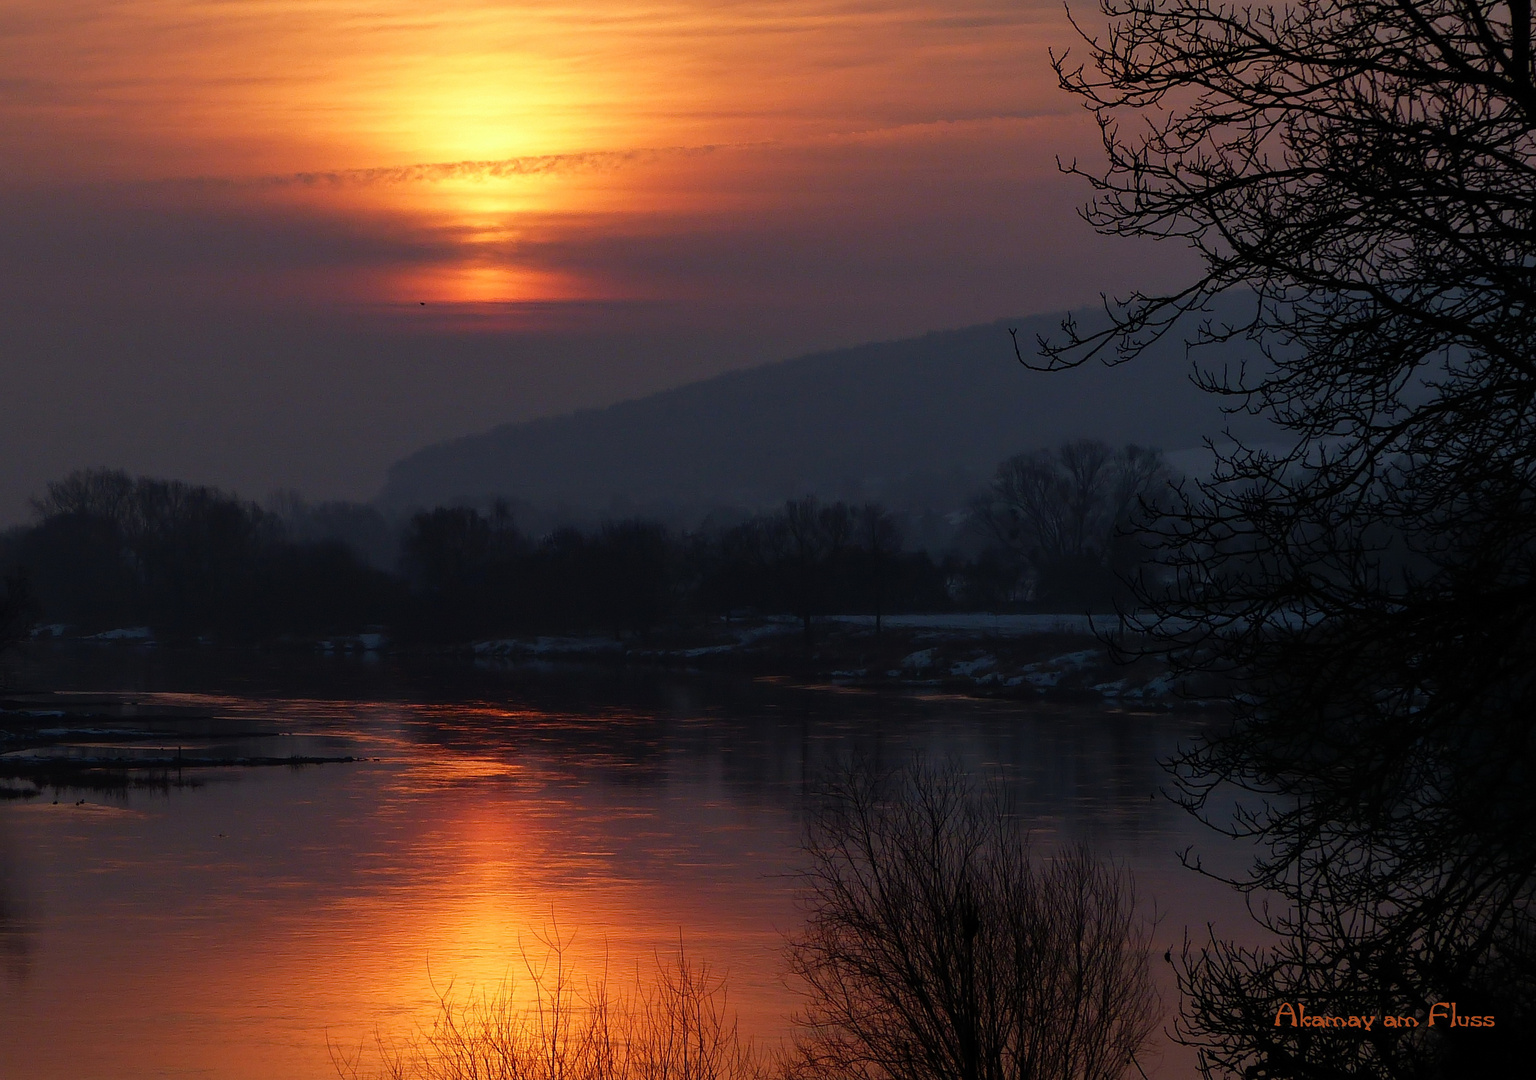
(280, 243)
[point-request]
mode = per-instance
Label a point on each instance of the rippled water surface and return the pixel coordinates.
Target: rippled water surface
(239, 926)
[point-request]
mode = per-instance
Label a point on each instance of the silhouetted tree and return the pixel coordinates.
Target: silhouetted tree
(113, 550)
(469, 571)
(1068, 515)
(991, 580)
(813, 539)
(359, 526)
(879, 540)
(801, 551)
(634, 574)
(810, 558)
(18, 609)
(446, 550)
(177, 556)
(1363, 173)
(83, 571)
(738, 570)
(320, 588)
(938, 947)
(109, 494)
(568, 593)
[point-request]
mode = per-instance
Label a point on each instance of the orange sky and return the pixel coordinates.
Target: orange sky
(305, 237)
(187, 87)
(485, 124)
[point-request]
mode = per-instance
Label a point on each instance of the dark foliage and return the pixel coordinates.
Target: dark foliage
(18, 608)
(474, 575)
(1365, 171)
(358, 526)
(109, 550)
(112, 551)
(811, 559)
(1067, 519)
(628, 578)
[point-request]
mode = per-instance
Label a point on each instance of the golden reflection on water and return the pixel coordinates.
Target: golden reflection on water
(238, 928)
(232, 930)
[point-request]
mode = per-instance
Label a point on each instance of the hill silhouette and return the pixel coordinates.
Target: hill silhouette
(917, 423)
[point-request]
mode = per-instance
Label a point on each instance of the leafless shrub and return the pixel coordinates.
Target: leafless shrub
(937, 948)
(676, 1027)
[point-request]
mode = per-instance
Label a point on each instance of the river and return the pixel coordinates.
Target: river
(246, 924)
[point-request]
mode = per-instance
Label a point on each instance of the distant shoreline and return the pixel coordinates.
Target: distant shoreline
(1017, 656)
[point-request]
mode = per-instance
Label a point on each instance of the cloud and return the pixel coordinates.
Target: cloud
(436, 172)
(596, 161)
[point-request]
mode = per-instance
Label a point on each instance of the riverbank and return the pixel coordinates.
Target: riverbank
(1031, 656)
(1058, 657)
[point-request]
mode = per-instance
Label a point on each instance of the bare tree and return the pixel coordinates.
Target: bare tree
(18, 612)
(1360, 177)
(188, 551)
(879, 537)
(106, 493)
(1065, 514)
(813, 536)
(937, 948)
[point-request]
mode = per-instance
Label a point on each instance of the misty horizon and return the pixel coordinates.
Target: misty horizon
(1176, 424)
(210, 276)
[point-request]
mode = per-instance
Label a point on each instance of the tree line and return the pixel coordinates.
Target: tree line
(1054, 529)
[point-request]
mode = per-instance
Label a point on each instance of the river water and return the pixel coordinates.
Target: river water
(247, 925)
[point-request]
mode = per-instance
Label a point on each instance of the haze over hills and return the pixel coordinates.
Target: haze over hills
(918, 424)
